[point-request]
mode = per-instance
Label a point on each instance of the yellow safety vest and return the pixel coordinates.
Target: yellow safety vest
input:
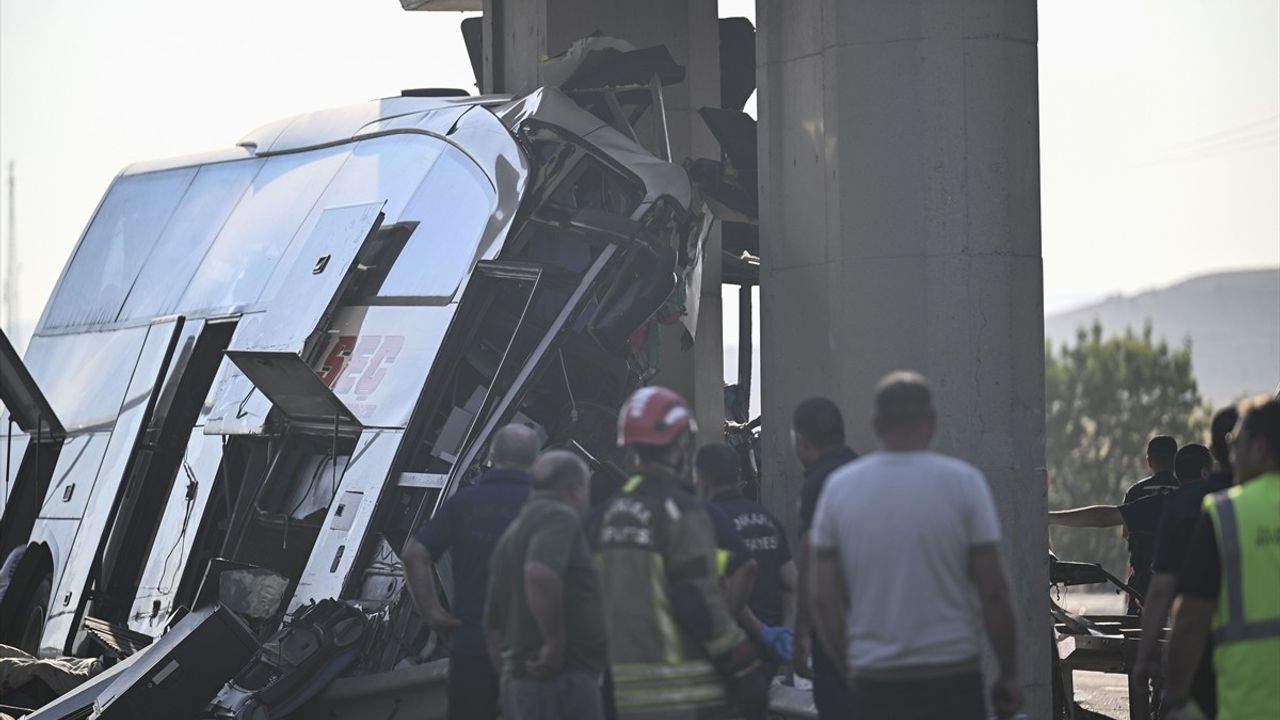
(1246, 625)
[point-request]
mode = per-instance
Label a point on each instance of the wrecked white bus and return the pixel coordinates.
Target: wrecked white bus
(276, 360)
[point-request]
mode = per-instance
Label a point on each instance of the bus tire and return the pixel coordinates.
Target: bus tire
(32, 619)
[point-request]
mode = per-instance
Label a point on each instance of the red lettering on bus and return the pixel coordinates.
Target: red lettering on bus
(336, 361)
(387, 352)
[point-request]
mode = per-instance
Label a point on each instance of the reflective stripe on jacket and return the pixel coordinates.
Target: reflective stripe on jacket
(1246, 624)
(666, 616)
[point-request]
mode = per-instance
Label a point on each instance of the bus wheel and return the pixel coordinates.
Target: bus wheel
(32, 626)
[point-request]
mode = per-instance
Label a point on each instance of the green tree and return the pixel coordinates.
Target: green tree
(1105, 398)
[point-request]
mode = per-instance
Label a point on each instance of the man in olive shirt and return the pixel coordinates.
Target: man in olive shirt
(542, 573)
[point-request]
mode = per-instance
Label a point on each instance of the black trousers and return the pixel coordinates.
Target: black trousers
(830, 692)
(955, 697)
(473, 688)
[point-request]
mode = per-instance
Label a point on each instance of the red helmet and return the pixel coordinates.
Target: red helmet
(654, 416)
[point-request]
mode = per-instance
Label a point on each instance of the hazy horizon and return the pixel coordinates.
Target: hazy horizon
(1160, 120)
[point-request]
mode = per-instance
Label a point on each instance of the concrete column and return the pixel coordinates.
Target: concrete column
(529, 30)
(900, 225)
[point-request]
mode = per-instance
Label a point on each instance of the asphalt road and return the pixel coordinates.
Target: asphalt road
(1104, 694)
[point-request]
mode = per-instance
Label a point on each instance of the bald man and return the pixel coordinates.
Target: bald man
(469, 525)
(545, 612)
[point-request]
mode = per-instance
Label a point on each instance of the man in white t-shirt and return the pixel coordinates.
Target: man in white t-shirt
(900, 540)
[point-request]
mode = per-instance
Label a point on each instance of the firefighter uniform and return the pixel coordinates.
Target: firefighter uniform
(666, 617)
(1246, 624)
(675, 652)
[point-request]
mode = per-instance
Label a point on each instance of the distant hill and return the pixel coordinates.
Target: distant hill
(1232, 318)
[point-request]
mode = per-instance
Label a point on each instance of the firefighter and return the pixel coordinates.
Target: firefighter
(674, 649)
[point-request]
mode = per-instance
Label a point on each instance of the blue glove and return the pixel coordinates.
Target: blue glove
(780, 641)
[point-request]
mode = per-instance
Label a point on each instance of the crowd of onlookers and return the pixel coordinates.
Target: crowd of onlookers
(679, 597)
(1203, 534)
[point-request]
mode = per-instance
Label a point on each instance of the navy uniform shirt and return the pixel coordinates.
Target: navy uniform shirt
(767, 542)
(815, 476)
(1163, 481)
(1179, 520)
(1143, 515)
(1201, 572)
(728, 540)
(1142, 540)
(469, 525)
(1142, 536)
(1142, 520)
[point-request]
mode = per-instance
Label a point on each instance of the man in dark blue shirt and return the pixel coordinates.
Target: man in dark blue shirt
(772, 603)
(1161, 453)
(468, 525)
(817, 432)
(1141, 517)
(734, 564)
(773, 599)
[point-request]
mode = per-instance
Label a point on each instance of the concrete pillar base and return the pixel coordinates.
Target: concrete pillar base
(900, 229)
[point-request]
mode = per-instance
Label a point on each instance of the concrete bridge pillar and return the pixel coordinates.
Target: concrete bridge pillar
(900, 229)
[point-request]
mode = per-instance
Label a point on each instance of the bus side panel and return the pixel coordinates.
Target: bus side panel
(166, 566)
(100, 497)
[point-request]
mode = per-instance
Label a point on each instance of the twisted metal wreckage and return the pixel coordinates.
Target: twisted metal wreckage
(263, 367)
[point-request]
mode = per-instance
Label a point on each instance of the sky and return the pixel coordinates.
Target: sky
(1159, 142)
(1160, 119)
